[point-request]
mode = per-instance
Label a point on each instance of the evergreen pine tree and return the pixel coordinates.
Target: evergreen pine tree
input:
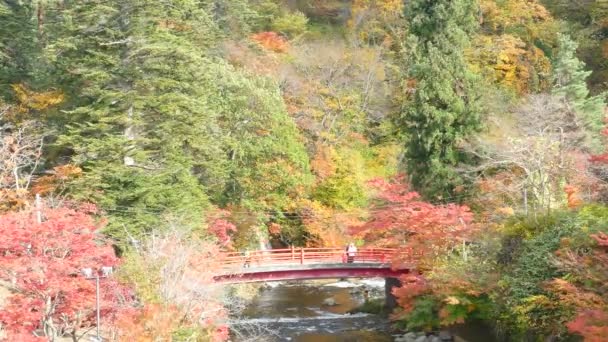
(442, 107)
(569, 79)
(133, 67)
(160, 125)
(21, 43)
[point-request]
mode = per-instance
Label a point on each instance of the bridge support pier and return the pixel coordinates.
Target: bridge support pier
(390, 302)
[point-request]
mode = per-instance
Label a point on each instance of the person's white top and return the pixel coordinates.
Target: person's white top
(352, 249)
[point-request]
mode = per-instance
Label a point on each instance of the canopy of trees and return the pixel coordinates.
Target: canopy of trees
(150, 135)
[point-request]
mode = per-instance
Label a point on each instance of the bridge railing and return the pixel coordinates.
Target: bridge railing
(274, 257)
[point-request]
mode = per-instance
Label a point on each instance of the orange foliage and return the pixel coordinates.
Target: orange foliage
(271, 41)
(274, 228)
(323, 164)
(157, 322)
(153, 323)
(58, 177)
(13, 199)
(326, 226)
(572, 196)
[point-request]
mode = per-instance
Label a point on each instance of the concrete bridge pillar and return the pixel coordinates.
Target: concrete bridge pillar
(390, 301)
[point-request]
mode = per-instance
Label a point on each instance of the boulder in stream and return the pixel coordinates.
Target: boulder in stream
(445, 336)
(408, 337)
(329, 302)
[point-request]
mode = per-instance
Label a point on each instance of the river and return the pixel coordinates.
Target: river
(299, 312)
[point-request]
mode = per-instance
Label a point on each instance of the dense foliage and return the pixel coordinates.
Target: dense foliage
(442, 106)
(153, 134)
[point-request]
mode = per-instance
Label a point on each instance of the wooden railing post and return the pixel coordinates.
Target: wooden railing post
(301, 255)
(293, 253)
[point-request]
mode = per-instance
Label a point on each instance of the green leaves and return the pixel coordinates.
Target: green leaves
(441, 109)
(570, 82)
(160, 126)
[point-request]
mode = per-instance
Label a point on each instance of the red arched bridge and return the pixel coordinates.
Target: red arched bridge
(314, 263)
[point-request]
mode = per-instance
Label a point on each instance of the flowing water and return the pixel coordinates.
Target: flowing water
(297, 312)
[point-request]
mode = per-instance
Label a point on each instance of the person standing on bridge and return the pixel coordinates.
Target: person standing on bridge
(247, 258)
(351, 250)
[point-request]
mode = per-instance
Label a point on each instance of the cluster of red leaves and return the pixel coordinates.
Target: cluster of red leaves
(591, 324)
(271, 41)
(221, 228)
(588, 298)
(412, 286)
(41, 264)
(591, 321)
(401, 219)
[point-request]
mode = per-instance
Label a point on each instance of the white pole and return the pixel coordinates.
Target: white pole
(97, 303)
(38, 208)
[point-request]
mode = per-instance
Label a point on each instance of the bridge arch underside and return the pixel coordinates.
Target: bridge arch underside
(308, 272)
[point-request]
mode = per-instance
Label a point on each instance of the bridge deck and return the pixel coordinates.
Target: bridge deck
(311, 263)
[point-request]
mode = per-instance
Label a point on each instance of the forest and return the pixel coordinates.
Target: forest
(150, 136)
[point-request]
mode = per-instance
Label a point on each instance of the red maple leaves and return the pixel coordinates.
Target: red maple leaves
(402, 219)
(41, 263)
(221, 228)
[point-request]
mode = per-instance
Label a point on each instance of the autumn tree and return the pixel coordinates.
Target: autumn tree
(42, 265)
(22, 143)
(441, 106)
(425, 234)
(401, 219)
(173, 273)
(532, 156)
(376, 21)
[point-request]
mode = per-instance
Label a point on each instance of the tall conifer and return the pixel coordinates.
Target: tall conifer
(570, 82)
(159, 124)
(441, 107)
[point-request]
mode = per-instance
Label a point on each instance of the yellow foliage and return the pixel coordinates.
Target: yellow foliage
(508, 211)
(29, 99)
(13, 199)
(507, 60)
(326, 226)
(451, 300)
(369, 16)
(504, 15)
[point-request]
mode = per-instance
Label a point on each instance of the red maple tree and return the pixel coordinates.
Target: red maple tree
(41, 264)
(401, 219)
(419, 229)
